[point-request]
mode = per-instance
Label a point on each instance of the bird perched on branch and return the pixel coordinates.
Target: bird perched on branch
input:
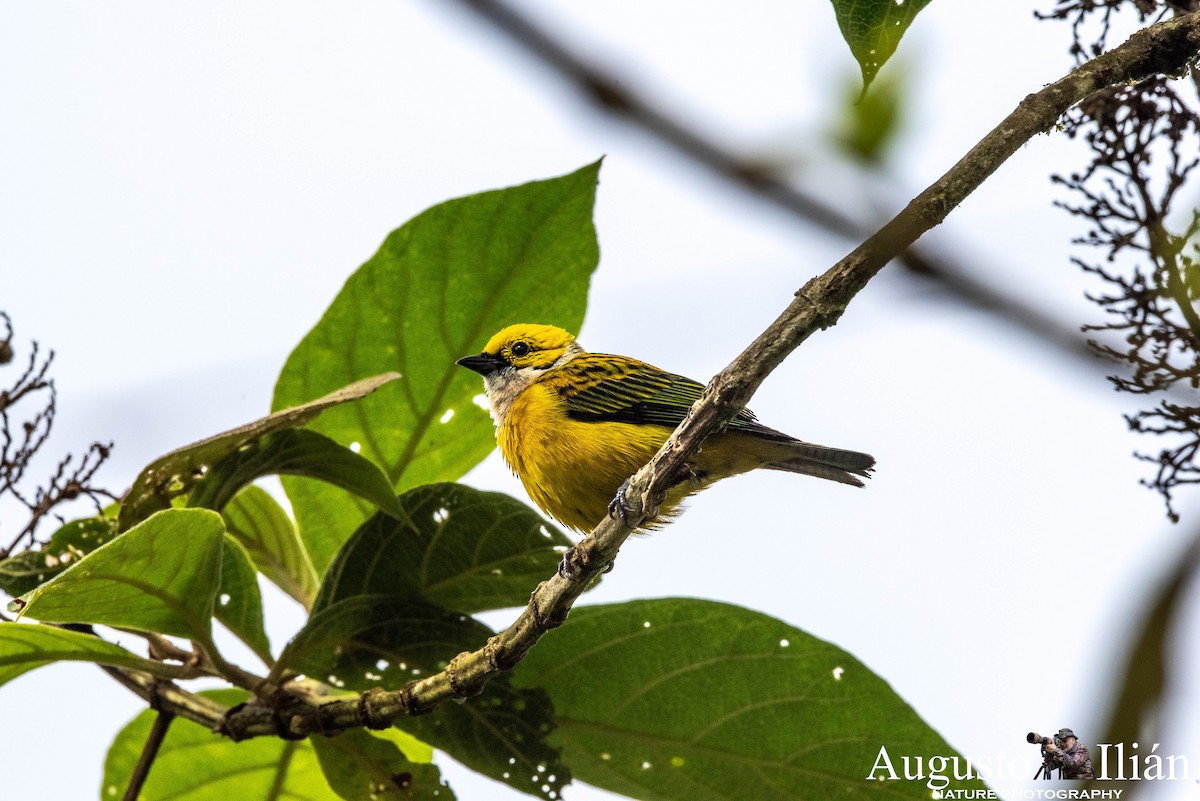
(574, 426)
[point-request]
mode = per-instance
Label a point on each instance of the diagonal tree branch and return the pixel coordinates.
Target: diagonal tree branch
(617, 96)
(1167, 47)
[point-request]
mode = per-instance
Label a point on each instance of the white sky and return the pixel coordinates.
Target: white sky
(183, 189)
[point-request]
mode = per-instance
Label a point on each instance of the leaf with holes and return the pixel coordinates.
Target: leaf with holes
(873, 28)
(465, 550)
(503, 734)
(370, 766)
(366, 641)
(175, 474)
(160, 576)
(678, 699)
(359, 642)
(436, 290)
(72, 541)
(255, 520)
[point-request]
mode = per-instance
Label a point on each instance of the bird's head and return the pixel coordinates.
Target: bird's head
(521, 346)
(516, 357)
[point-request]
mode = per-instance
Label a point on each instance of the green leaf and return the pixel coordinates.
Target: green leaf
(414, 750)
(294, 452)
(174, 474)
(870, 123)
(239, 602)
(361, 766)
(675, 699)
(1150, 668)
(873, 28)
(194, 764)
(377, 640)
(436, 290)
(464, 549)
(255, 520)
(160, 576)
(25, 646)
(21, 573)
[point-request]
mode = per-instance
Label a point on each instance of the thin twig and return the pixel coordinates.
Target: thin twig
(162, 722)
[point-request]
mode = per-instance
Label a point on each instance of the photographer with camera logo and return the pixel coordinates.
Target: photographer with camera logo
(1065, 753)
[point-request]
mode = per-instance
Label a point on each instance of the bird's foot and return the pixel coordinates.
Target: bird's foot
(618, 507)
(567, 568)
(576, 563)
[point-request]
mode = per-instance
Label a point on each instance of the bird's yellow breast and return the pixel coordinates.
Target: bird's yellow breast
(571, 469)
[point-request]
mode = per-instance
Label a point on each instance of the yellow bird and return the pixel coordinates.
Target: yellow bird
(574, 426)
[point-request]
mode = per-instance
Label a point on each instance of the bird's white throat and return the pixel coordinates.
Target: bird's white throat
(505, 385)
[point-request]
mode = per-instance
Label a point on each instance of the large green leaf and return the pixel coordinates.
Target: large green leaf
(436, 290)
(363, 766)
(21, 573)
(25, 646)
(675, 699)
(377, 640)
(255, 520)
(873, 28)
(463, 549)
(160, 576)
(176, 473)
(239, 602)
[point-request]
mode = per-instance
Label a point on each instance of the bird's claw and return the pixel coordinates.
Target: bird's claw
(566, 568)
(571, 571)
(574, 565)
(618, 507)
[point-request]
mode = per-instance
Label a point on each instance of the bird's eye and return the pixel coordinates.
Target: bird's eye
(520, 349)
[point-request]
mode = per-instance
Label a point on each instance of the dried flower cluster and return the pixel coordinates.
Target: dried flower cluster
(1097, 16)
(1140, 207)
(27, 410)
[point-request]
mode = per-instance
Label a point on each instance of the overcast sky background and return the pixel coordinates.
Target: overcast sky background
(184, 189)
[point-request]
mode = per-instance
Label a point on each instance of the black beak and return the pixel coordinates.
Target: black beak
(483, 363)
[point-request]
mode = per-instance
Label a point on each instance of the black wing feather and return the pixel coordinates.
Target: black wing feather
(609, 388)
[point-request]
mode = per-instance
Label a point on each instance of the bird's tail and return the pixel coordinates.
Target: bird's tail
(821, 461)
